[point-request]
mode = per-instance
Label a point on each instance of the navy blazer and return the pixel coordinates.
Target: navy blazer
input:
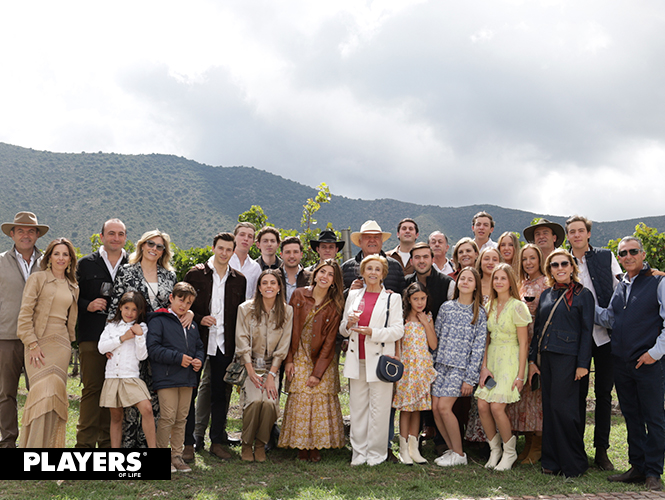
(570, 331)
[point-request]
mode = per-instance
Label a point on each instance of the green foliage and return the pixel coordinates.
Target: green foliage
(312, 206)
(653, 242)
(184, 260)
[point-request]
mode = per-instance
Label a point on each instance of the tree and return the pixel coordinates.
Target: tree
(653, 242)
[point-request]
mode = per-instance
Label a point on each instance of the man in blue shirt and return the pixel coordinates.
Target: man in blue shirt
(636, 315)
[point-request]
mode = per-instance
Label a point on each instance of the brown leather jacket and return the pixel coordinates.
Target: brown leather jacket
(325, 325)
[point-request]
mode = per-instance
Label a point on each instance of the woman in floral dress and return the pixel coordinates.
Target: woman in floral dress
(412, 391)
(526, 416)
(313, 415)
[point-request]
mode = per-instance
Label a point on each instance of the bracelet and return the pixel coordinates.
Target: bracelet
(33, 347)
(272, 373)
(520, 379)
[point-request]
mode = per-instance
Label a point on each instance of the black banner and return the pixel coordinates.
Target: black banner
(81, 463)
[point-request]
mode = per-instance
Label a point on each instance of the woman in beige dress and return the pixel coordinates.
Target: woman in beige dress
(46, 326)
(263, 337)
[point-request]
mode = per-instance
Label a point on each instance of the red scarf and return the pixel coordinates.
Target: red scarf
(572, 288)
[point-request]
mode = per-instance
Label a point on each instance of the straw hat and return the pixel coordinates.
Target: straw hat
(25, 219)
(369, 227)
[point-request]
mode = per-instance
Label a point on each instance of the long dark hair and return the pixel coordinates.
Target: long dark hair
(413, 288)
(336, 290)
(135, 298)
(477, 293)
(258, 308)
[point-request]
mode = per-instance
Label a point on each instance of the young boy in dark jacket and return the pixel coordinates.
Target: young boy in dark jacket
(175, 353)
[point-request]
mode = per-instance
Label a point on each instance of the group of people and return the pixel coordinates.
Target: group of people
(494, 343)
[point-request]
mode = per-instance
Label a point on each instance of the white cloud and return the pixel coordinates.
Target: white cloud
(531, 105)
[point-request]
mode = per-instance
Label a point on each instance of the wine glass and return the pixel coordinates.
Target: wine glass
(105, 290)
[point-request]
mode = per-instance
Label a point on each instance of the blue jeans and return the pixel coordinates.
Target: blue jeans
(641, 395)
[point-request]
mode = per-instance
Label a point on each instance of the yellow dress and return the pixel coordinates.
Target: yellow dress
(413, 390)
(503, 352)
(312, 415)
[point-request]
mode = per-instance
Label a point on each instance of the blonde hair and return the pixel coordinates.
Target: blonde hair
(377, 258)
(548, 266)
(165, 260)
(514, 291)
(479, 260)
(522, 273)
(457, 247)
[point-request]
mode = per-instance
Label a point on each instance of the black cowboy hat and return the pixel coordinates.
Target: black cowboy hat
(327, 236)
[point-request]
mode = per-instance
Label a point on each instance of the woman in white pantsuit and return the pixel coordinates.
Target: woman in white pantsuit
(364, 322)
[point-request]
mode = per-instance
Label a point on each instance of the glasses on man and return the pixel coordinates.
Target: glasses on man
(632, 251)
(563, 265)
(152, 244)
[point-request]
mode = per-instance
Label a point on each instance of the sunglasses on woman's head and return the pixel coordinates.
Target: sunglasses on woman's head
(564, 264)
(152, 244)
(632, 251)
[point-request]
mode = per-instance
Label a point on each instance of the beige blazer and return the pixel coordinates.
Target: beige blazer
(35, 309)
(380, 334)
(266, 341)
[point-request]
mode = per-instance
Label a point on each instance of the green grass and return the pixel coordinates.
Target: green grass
(283, 477)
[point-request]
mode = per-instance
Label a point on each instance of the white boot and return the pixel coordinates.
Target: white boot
(415, 452)
(495, 451)
(404, 455)
(509, 455)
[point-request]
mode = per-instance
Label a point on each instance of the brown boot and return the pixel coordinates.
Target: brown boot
(259, 451)
(246, 453)
(188, 454)
(536, 450)
(219, 451)
(528, 438)
(303, 455)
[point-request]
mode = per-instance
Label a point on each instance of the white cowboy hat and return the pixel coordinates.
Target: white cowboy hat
(369, 227)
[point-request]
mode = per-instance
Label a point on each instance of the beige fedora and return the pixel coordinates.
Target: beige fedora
(25, 219)
(369, 227)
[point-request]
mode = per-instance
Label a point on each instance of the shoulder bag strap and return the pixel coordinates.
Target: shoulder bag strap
(547, 324)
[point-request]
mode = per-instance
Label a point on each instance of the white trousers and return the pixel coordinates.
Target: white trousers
(369, 405)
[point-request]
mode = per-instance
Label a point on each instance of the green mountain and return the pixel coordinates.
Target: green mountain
(75, 192)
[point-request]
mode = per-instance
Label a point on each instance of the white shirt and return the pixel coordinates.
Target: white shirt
(105, 256)
(405, 256)
(488, 244)
(126, 355)
(24, 266)
(447, 268)
(216, 332)
(250, 270)
(600, 335)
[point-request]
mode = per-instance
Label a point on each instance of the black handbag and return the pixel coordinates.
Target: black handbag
(389, 369)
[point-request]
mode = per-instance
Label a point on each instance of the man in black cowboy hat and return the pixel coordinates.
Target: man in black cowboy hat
(16, 265)
(327, 246)
(546, 235)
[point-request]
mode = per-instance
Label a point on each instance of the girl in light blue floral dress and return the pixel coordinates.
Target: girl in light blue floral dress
(504, 366)
(461, 329)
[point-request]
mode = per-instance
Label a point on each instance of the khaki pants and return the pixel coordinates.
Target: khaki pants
(11, 363)
(259, 414)
(173, 406)
(94, 422)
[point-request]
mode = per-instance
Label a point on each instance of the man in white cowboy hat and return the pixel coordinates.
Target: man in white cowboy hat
(546, 235)
(327, 246)
(16, 265)
(370, 239)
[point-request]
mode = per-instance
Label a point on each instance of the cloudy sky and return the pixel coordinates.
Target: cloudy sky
(550, 106)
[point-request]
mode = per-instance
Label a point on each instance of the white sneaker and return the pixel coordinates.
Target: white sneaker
(451, 459)
(443, 458)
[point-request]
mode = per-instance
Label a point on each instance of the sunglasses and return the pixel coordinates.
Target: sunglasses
(158, 246)
(632, 251)
(563, 265)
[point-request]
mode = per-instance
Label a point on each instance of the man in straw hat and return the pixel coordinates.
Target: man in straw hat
(327, 246)
(547, 235)
(370, 239)
(16, 265)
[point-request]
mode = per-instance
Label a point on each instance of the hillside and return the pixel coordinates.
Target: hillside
(75, 192)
